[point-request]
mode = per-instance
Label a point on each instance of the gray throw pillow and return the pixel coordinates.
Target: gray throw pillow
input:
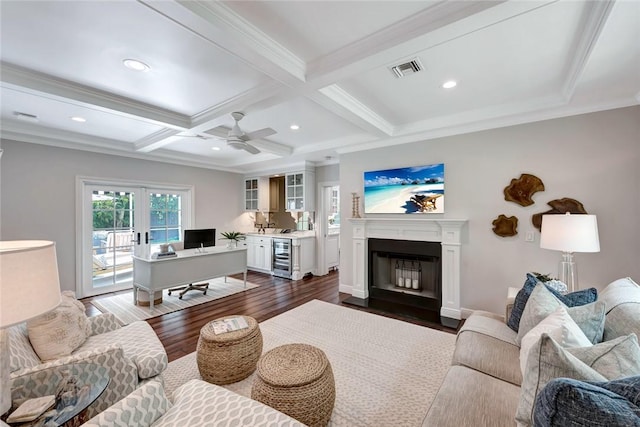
(548, 360)
(541, 303)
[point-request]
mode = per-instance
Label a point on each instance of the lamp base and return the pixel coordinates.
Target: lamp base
(568, 272)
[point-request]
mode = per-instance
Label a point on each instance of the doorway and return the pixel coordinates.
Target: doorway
(120, 221)
(328, 223)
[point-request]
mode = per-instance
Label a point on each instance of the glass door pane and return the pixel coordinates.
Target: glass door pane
(166, 220)
(114, 219)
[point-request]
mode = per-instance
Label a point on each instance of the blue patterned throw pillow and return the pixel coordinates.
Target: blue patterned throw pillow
(569, 402)
(521, 300)
(574, 299)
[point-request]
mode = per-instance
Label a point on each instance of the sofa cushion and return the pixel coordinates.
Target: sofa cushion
(565, 401)
(471, 398)
(559, 326)
(573, 299)
(198, 403)
(140, 345)
(59, 332)
(141, 408)
(622, 301)
(488, 345)
(542, 302)
(548, 360)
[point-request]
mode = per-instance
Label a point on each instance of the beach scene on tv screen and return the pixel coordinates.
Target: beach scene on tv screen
(412, 190)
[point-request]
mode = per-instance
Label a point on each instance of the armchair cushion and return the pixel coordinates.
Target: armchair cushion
(198, 403)
(57, 333)
(140, 345)
(140, 408)
(104, 322)
(21, 354)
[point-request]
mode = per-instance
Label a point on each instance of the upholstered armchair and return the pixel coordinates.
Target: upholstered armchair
(130, 354)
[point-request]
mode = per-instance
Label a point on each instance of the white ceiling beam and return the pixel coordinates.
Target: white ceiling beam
(54, 88)
(586, 39)
(364, 114)
(156, 140)
(218, 24)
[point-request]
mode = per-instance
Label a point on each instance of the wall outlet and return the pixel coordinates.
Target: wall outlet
(529, 237)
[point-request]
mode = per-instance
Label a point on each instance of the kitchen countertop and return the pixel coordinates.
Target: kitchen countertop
(293, 234)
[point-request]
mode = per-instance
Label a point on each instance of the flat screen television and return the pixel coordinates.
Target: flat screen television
(412, 190)
(199, 238)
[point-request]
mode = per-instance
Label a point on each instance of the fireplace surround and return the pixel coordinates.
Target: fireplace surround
(447, 232)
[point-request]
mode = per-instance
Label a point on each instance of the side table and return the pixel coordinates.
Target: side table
(76, 386)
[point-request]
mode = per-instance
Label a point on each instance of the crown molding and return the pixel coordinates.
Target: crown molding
(587, 37)
(38, 83)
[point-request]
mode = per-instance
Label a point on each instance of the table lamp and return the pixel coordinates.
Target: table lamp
(569, 233)
(29, 287)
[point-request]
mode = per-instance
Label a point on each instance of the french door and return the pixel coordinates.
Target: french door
(120, 222)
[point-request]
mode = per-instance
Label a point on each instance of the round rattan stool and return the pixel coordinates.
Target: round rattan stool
(228, 357)
(296, 379)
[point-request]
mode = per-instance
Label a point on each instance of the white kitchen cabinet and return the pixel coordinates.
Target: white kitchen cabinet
(256, 194)
(303, 256)
(300, 191)
(259, 253)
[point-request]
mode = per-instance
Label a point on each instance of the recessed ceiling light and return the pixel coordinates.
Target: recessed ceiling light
(135, 65)
(215, 148)
(294, 127)
(78, 119)
(449, 84)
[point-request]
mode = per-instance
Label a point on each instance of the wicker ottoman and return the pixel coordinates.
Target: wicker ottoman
(228, 357)
(296, 379)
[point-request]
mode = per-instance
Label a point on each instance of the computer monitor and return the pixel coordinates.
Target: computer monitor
(199, 238)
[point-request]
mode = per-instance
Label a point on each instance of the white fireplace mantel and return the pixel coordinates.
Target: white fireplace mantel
(446, 231)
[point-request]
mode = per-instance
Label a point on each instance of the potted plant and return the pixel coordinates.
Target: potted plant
(233, 237)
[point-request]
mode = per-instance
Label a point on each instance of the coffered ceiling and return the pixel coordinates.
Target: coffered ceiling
(322, 65)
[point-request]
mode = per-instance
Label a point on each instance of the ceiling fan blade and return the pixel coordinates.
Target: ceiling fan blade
(251, 149)
(259, 134)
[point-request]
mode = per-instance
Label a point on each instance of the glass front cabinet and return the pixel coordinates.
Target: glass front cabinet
(300, 191)
(256, 194)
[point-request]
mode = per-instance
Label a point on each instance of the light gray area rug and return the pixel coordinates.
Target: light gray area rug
(122, 307)
(387, 372)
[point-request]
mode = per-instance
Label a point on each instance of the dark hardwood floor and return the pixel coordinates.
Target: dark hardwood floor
(179, 331)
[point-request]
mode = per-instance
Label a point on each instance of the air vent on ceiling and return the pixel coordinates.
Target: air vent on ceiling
(407, 68)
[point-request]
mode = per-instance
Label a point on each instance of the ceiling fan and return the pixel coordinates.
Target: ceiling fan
(236, 138)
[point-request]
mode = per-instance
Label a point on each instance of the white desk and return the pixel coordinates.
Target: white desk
(190, 266)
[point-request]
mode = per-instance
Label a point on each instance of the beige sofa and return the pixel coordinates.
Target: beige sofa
(482, 386)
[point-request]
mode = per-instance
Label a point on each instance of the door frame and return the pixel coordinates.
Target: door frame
(83, 181)
(322, 226)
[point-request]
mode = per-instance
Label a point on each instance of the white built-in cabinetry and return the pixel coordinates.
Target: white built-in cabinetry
(300, 191)
(258, 253)
(256, 194)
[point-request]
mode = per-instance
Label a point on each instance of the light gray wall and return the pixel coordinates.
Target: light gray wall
(37, 189)
(328, 173)
(592, 158)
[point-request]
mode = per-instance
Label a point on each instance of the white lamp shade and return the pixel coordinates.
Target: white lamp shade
(570, 233)
(29, 283)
